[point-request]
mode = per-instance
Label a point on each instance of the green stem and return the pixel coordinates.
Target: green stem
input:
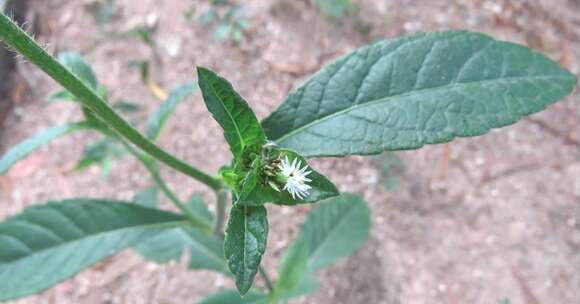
(266, 279)
(15, 37)
(222, 197)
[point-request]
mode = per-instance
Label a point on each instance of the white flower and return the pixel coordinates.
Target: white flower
(296, 180)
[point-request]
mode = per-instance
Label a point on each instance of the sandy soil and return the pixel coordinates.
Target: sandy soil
(473, 221)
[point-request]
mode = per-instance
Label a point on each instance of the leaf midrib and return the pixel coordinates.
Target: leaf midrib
(66, 243)
(242, 141)
(417, 92)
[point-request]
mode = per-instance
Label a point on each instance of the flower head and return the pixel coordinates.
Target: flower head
(295, 177)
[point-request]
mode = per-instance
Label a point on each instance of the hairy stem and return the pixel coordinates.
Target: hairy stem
(15, 37)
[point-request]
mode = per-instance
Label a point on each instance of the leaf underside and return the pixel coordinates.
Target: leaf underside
(423, 89)
(50, 243)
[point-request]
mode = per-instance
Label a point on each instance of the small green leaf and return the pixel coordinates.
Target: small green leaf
(335, 229)
(245, 243)
(127, 107)
(241, 128)
(252, 178)
(293, 267)
(233, 297)
(50, 243)
(80, 68)
(322, 187)
(24, 148)
(62, 95)
(335, 8)
(423, 89)
(101, 152)
(159, 118)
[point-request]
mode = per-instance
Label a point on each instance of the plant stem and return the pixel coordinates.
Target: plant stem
(266, 279)
(222, 197)
(15, 37)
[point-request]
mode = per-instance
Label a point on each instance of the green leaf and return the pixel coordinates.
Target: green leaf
(423, 89)
(307, 285)
(241, 128)
(24, 148)
(159, 118)
(335, 8)
(335, 229)
(80, 68)
(292, 267)
(245, 243)
(233, 297)
(100, 152)
(322, 187)
(62, 95)
(127, 107)
(205, 251)
(50, 243)
(148, 197)
(198, 207)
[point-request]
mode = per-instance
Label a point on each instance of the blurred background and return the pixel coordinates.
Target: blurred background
(474, 221)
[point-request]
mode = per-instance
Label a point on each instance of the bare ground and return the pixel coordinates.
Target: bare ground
(473, 221)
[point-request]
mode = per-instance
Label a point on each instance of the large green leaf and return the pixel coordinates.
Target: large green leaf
(50, 243)
(159, 118)
(28, 146)
(241, 127)
(335, 229)
(233, 297)
(423, 89)
(245, 243)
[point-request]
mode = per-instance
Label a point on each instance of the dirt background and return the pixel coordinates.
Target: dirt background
(473, 221)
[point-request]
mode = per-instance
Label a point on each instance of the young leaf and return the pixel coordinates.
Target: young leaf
(24, 148)
(50, 243)
(321, 187)
(245, 243)
(241, 128)
(423, 89)
(159, 118)
(233, 297)
(335, 229)
(293, 267)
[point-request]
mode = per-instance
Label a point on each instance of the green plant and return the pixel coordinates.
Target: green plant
(392, 95)
(228, 20)
(335, 8)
